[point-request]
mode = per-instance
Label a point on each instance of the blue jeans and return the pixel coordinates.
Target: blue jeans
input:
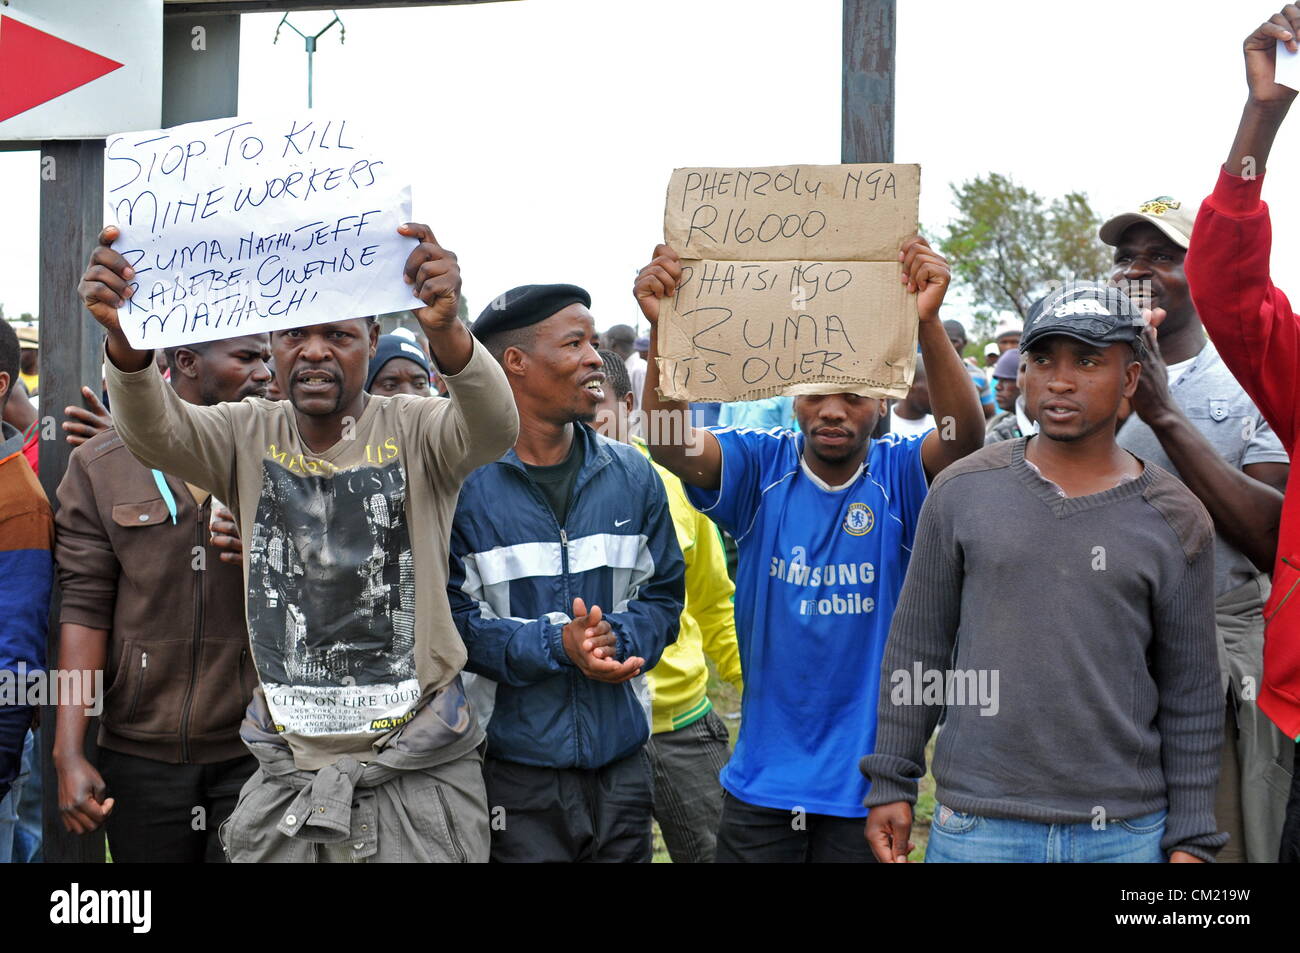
(29, 836)
(969, 838)
(10, 851)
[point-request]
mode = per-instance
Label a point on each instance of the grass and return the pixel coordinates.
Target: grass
(924, 810)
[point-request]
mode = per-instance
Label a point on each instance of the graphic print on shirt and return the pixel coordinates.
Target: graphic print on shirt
(853, 576)
(331, 614)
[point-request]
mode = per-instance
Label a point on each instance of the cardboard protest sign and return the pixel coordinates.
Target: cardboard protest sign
(790, 282)
(240, 226)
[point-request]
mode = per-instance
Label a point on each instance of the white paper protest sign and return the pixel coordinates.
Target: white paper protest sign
(245, 225)
(1286, 69)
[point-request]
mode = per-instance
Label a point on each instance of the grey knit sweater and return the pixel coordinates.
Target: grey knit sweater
(1073, 643)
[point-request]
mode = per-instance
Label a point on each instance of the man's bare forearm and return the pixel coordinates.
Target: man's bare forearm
(675, 456)
(451, 347)
(952, 393)
(1255, 135)
(81, 649)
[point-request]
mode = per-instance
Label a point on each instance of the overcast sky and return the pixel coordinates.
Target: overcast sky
(542, 132)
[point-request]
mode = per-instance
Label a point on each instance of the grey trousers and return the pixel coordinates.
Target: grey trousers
(1255, 770)
(688, 796)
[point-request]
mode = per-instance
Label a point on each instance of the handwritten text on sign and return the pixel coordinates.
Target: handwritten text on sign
(240, 226)
(790, 282)
(741, 330)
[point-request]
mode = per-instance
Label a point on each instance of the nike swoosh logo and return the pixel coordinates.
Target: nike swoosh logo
(621, 522)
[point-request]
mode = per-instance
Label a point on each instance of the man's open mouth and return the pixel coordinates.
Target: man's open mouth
(1060, 412)
(596, 387)
(1142, 295)
(314, 380)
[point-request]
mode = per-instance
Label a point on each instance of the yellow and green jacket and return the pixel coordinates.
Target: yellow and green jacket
(680, 681)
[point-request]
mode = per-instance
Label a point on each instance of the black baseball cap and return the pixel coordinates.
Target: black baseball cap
(1093, 313)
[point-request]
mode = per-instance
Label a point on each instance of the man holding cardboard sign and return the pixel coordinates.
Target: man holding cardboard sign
(824, 520)
(356, 651)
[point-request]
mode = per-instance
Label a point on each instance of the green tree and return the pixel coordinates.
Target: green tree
(1007, 246)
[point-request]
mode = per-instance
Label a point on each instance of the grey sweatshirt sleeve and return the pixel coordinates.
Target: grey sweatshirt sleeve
(480, 421)
(1185, 667)
(924, 630)
(164, 432)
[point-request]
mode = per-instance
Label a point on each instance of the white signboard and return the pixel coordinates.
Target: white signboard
(240, 226)
(79, 69)
(1286, 69)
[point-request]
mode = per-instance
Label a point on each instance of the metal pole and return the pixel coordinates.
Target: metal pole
(867, 90)
(309, 43)
(72, 213)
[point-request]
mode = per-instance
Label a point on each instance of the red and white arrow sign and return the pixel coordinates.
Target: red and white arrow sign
(79, 69)
(39, 66)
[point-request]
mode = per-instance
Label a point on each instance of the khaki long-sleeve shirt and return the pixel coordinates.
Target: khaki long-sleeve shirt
(345, 551)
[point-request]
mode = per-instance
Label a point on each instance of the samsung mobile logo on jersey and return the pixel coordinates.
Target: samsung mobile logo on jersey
(76, 906)
(854, 603)
(797, 572)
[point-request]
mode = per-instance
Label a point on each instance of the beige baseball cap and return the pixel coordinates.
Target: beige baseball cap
(28, 337)
(1164, 212)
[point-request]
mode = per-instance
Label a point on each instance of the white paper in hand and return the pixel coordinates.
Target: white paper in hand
(1287, 70)
(242, 226)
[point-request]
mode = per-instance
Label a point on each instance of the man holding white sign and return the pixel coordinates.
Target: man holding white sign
(824, 520)
(367, 746)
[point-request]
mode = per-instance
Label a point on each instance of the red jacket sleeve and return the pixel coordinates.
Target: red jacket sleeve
(1249, 320)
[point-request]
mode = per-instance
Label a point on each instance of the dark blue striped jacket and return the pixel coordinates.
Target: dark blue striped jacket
(514, 575)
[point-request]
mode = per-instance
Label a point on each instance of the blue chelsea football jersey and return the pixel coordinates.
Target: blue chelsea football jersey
(820, 570)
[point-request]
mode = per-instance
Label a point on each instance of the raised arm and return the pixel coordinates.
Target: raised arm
(481, 421)
(696, 458)
(105, 286)
(1268, 101)
(433, 273)
(162, 431)
(958, 417)
(1227, 264)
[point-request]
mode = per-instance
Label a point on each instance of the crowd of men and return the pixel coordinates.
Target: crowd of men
(444, 595)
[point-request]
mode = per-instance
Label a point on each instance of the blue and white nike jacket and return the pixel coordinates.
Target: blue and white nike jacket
(514, 573)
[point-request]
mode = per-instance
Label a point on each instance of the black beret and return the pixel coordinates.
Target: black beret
(525, 306)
